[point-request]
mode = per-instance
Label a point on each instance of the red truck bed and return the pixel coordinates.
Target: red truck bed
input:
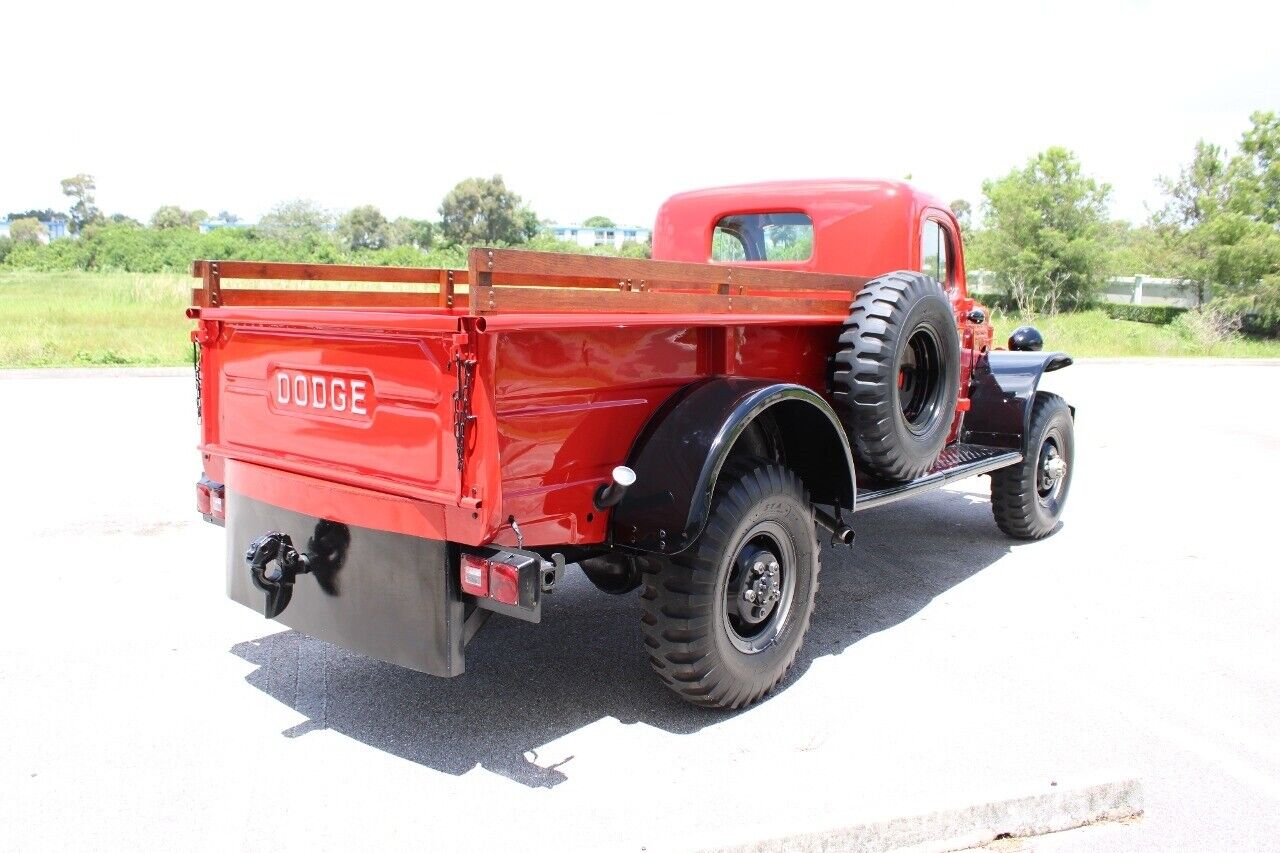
(546, 367)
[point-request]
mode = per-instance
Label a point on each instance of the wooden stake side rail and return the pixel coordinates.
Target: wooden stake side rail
(508, 280)
(213, 273)
(512, 280)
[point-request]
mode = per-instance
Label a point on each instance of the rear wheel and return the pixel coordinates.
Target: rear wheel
(724, 620)
(1027, 499)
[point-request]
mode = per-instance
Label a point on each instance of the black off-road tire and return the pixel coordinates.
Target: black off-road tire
(1027, 504)
(897, 374)
(688, 622)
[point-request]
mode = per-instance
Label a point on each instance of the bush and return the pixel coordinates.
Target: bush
(6, 246)
(1208, 326)
(1159, 314)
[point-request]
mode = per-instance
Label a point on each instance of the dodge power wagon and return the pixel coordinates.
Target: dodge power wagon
(395, 466)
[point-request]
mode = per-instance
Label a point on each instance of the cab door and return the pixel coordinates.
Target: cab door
(940, 260)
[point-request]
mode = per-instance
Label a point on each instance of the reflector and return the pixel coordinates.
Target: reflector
(474, 574)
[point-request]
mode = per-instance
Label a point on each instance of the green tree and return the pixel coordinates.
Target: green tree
(27, 230)
(599, 222)
(963, 212)
(228, 217)
(418, 233)
(364, 228)
(1043, 230)
(1222, 217)
(1256, 170)
(81, 188)
(122, 219)
(46, 215)
(485, 211)
(172, 216)
(297, 219)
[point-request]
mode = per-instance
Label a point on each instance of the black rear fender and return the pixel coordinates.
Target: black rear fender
(681, 451)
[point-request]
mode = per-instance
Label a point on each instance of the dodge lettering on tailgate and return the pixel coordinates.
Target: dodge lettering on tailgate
(332, 394)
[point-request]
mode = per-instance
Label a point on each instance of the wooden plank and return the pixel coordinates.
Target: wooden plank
(326, 298)
(555, 268)
(269, 271)
(489, 299)
(244, 297)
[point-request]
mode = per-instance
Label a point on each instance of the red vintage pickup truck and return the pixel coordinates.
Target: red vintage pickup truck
(395, 466)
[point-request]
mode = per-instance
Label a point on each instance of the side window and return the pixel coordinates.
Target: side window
(763, 237)
(934, 260)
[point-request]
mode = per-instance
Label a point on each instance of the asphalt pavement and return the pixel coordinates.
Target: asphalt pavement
(947, 668)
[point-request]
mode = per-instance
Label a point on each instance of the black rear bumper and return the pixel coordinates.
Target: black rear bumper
(386, 595)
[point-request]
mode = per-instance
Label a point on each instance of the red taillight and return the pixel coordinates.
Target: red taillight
(474, 575)
(504, 583)
(490, 579)
(210, 499)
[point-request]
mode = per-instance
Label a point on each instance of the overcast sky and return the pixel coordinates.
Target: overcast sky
(607, 108)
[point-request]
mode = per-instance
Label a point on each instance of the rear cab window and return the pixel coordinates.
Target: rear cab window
(781, 237)
(935, 254)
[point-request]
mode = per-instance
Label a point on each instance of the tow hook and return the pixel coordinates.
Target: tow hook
(274, 564)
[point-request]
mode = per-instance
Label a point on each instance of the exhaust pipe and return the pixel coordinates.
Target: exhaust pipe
(841, 533)
(610, 493)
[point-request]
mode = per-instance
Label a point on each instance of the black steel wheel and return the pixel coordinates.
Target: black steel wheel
(1027, 499)
(897, 374)
(724, 619)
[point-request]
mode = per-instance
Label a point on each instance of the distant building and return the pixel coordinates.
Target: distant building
(214, 224)
(55, 228)
(587, 236)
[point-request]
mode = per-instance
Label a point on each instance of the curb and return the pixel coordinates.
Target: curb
(92, 372)
(1055, 810)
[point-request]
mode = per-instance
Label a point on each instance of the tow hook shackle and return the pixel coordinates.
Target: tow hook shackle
(274, 564)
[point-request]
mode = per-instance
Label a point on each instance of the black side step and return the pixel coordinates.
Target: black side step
(955, 463)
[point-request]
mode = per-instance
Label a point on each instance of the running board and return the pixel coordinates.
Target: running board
(955, 463)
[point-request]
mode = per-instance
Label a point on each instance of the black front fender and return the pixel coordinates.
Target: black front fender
(1001, 393)
(678, 456)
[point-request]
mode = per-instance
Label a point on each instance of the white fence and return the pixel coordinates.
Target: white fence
(1131, 289)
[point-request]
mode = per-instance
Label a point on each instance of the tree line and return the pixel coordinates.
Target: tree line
(1045, 233)
(477, 211)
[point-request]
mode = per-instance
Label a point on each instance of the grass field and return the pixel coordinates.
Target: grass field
(85, 319)
(77, 318)
(1093, 333)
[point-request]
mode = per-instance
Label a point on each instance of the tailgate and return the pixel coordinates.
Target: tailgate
(343, 396)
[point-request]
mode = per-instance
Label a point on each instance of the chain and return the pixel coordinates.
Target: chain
(195, 363)
(462, 405)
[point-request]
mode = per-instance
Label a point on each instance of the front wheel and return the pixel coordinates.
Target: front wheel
(724, 620)
(1027, 499)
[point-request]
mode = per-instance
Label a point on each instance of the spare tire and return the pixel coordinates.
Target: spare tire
(897, 374)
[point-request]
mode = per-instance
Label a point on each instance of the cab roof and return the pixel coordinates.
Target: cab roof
(862, 226)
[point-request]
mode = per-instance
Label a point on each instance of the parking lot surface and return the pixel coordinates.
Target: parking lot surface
(946, 665)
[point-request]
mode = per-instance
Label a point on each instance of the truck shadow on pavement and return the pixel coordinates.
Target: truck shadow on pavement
(527, 685)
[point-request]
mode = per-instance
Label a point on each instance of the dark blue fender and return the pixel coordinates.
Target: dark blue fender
(1002, 391)
(678, 456)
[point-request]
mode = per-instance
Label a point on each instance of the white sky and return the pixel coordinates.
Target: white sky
(607, 108)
